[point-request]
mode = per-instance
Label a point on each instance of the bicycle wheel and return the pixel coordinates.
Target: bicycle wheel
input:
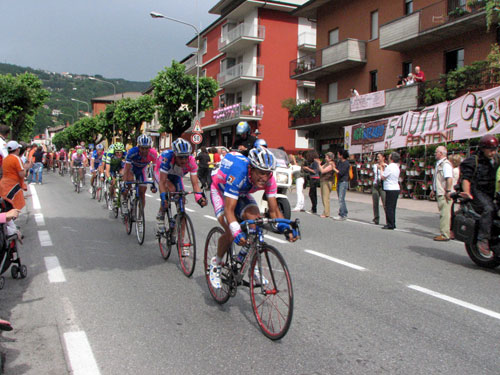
(99, 190)
(94, 190)
(140, 222)
(271, 293)
(219, 295)
(164, 240)
(186, 244)
(128, 218)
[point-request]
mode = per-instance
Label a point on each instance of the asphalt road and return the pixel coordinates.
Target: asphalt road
(367, 301)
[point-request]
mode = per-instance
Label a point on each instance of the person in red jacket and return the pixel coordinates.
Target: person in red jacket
(419, 75)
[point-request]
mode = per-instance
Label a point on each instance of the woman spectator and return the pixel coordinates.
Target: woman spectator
(326, 181)
(390, 176)
(38, 159)
(378, 191)
(312, 168)
(299, 180)
(12, 183)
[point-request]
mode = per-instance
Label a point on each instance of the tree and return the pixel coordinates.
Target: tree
(20, 98)
(129, 115)
(105, 123)
(175, 96)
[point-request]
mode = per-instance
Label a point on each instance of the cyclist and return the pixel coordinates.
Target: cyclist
(63, 156)
(136, 163)
(96, 163)
(79, 160)
(114, 163)
(230, 192)
(175, 164)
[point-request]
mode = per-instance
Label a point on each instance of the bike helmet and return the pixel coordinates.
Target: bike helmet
(79, 151)
(100, 147)
(181, 147)
(242, 128)
(144, 141)
(119, 147)
(260, 142)
(261, 158)
(488, 141)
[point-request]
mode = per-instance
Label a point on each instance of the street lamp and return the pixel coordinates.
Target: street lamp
(80, 101)
(159, 15)
(114, 96)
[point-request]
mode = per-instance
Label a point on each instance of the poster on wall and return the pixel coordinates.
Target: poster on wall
(469, 116)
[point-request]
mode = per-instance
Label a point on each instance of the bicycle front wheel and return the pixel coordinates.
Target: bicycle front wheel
(128, 217)
(140, 222)
(271, 292)
(164, 240)
(219, 295)
(186, 244)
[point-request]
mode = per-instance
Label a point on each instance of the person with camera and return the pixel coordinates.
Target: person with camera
(478, 174)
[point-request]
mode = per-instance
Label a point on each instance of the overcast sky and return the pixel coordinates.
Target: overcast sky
(114, 38)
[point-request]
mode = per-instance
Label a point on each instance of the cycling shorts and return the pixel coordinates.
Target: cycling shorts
(177, 181)
(243, 203)
(140, 174)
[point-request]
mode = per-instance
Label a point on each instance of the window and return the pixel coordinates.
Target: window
(203, 46)
(454, 59)
(374, 25)
(333, 37)
(407, 68)
(408, 6)
(332, 92)
(373, 81)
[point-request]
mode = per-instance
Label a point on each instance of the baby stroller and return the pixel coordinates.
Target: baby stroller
(8, 251)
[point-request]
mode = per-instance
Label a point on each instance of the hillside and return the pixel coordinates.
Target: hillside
(64, 86)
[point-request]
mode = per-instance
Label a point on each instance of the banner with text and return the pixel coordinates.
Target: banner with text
(368, 101)
(469, 116)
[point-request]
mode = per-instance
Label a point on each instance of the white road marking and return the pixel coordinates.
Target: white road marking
(210, 217)
(189, 209)
(87, 174)
(456, 301)
(403, 230)
(149, 195)
(81, 358)
(158, 199)
(278, 240)
(34, 195)
(54, 270)
(39, 220)
(359, 222)
(339, 261)
(44, 237)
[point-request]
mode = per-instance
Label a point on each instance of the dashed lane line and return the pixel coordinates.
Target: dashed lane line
(34, 196)
(44, 237)
(81, 358)
(456, 301)
(210, 217)
(149, 195)
(336, 260)
(39, 220)
(278, 240)
(54, 270)
(189, 209)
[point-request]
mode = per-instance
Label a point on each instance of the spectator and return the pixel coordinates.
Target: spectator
(12, 183)
(4, 133)
(390, 176)
(223, 153)
(326, 181)
(203, 171)
(442, 185)
(299, 175)
(401, 81)
(410, 80)
(419, 75)
(378, 191)
(354, 93)
(312, 168)
(455, 161)
(38, 159)
(342, 169)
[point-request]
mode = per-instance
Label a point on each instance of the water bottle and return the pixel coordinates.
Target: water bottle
(242, 254)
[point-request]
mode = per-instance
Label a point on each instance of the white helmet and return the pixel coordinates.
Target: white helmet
(261, 158)
(181, 147)
(144, 141)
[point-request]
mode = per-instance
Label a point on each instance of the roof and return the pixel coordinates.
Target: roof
(309, 9)
(114, 98)
(56, 128)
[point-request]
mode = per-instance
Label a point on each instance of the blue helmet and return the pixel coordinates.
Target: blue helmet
(144, 141)
(181, 147)
(260, 142)
(242, 128)
(99, 147)
(261, 158)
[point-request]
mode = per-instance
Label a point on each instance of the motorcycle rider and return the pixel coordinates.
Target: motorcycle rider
(478, 174)
(244, 140)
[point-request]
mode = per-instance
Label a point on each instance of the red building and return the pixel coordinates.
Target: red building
(247, 50)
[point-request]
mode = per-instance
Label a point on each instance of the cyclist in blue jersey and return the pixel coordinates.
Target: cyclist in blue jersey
(230, 192)
(96, 163)
(175, 164)
(137, 160)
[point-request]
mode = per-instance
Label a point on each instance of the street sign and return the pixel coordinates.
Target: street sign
(196, 138)
(197, 127)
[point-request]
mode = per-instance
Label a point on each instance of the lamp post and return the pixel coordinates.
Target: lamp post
(81, 101)
(114, 95)
(159, 15)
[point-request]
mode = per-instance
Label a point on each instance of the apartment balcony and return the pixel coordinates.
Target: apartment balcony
(240, 74)
(307, 41)
(434, 23)
(308, 84)
(342, 56)
(241, 37)
(235, 113)
(190, 65)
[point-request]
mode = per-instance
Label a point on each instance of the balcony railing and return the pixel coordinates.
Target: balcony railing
(238, 111)
(244, 71)
(433, 23)
(190, 63)
(307, 40)
(240, 32)
(341, 56)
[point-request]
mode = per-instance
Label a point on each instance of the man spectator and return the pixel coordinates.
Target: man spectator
(4, 133)
(419, 75)
(442, 186)
(378, 191)
(478, 183)
(203, 172)
(342, 169)
(354, 93)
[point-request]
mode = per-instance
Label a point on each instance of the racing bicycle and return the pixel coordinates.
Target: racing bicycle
(135, 210)
(263, 271)
(77, 182)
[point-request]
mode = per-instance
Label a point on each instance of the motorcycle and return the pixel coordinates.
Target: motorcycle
(465, 224)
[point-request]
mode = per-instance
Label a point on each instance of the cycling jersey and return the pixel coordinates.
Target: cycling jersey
(97, 157)
(78, 160)
(166, 164)
(232, 180)
(140, 163)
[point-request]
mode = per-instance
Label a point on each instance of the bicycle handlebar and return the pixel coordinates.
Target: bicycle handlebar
(138, 182)
(264, 220)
